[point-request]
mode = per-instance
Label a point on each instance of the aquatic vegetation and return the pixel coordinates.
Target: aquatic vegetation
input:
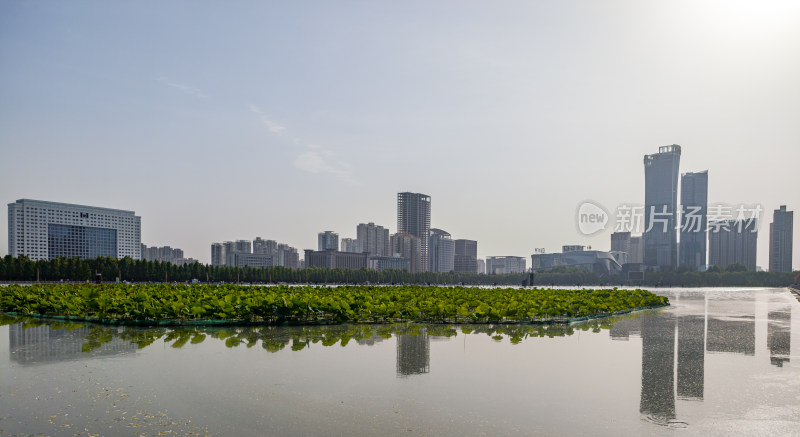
(235, 304)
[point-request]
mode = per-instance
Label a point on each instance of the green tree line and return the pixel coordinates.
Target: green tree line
(735, 275)
(127, 269)
(74, 269)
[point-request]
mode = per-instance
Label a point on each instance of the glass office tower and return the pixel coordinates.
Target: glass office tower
(661, 201)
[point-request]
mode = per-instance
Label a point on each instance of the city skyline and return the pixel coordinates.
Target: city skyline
(729, 241)
(347, 105)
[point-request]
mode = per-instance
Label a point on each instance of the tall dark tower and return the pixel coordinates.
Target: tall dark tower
(780, 240)
(694, 227)
(660, 206)
(414, 217)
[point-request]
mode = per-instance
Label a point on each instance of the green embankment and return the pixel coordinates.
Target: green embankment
(232, 304)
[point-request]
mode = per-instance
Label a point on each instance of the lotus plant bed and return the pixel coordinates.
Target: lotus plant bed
(178, 304)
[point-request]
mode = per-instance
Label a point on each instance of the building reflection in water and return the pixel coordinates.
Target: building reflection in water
(658, 361)
(779, 332)
(695, 328)
(413, 354)
(42, 344)
(731, 334)
(371, 341)
(691, 357)
(691, 346)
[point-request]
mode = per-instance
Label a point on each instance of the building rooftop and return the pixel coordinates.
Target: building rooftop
(72, 205)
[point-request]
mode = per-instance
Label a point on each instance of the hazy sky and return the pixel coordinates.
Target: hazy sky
(230, 120)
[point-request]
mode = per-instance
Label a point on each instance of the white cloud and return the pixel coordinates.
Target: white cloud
(272, 126)
(182, 87)
(315, 157)
(313, 162)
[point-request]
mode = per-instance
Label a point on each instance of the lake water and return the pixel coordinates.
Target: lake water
(716, 362)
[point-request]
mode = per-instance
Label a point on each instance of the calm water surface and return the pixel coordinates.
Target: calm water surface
(716, 362)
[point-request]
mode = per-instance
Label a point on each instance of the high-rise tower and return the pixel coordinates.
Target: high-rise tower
(328, 240)
(694, 212)
(414, 217)
(780, 240)
(660, 211)
(441, 251)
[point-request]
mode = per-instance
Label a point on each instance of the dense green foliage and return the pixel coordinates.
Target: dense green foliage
(732, 276)
(274, 339)
(74, 269)
(716, 277)
(309, 304)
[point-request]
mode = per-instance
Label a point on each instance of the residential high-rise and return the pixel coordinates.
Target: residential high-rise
(349, 245)
(408, 246)
(291, 258)
(264, 247)
(694, 213)
(243, 246)
(621, 242)
(414, 218)
(328, 240)
(287, 256)
(466, 257)
(259, 253)
(780, 240)
(184, 261)
(149, 253)
(441, 251)
(498, 265)
(217, 254)
(162, 254)
(637, 250)
(661, 202)
(620, 247)
(372, 239)
(46, 230)
(230, 247)
(732, 242)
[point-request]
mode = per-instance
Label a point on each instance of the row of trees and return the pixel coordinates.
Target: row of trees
(735, 275)
(74, 269)
(721, 277)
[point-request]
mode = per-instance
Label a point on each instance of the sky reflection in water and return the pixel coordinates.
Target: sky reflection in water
(715, 362)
